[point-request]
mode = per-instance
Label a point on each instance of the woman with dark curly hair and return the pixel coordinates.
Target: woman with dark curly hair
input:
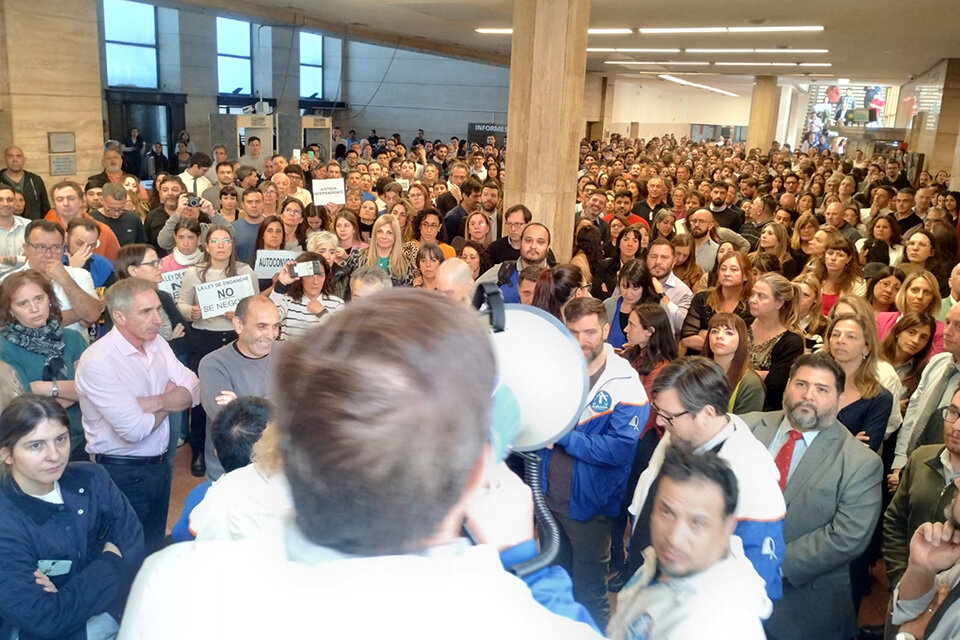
(308, 300)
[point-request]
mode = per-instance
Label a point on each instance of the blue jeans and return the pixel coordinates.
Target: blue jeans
(147, 488)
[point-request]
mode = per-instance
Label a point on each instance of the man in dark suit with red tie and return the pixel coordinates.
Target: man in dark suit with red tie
(831, 486)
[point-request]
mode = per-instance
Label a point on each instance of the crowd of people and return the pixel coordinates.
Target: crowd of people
(772, 340)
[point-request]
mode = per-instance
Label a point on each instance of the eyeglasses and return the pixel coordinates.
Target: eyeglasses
(516, 224)
(46, 248)
(223, 242)
(151, 263)
(949, 413)
(667, 418)
(429, 225)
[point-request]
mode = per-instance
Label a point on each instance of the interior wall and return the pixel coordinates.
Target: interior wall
(397, 91)
(660, 108)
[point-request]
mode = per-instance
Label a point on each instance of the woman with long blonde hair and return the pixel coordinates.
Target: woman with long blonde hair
(775, 335)
(385, 251)
(810, 316)
(775, 241)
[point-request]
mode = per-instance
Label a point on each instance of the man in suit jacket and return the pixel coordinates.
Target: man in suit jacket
(832, 490)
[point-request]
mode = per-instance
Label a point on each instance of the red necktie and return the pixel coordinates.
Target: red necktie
(785, 455)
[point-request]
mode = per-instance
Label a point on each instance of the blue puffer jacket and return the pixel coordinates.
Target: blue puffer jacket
(603, 444)
(32, 531)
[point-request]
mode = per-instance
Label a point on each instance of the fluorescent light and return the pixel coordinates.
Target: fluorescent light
(609, 32)
(663, 63)
(815, 64)
(756, 51)
(683, 30)
(774, 29)
(791, 50)
(842, 81)
(755, 64)
(595, 50)
(660, 30)
(648, 50)
(697, 86)
(494, 31)
(718, 50)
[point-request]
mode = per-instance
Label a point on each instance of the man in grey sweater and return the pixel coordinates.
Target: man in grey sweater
(241, 368)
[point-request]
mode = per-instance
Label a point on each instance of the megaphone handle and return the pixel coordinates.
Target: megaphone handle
(549, 529)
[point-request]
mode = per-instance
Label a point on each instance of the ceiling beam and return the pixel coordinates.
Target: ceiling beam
(289, 17)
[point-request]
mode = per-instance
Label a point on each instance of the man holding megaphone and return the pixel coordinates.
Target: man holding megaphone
(384, 416)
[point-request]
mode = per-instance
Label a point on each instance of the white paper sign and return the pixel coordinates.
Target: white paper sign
(217, 298)
(270, 262)
(171, 283)
(330, 190)
(403, 182)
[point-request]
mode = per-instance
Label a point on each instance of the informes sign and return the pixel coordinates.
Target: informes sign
(478, 132)
(330, 190)
(270, 262)
(171, 283)
(217, 298)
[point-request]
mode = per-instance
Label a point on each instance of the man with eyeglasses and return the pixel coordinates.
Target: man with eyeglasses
(690, 397)
(508, 247)
(125, 224)
(927, 487)
(831, 486)
(701, 223)
(43, 248)
(586, 472)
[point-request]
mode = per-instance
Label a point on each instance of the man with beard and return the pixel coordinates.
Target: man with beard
(701, 223)
(489, 201)
(534, 248)
(831, 485)
(723, 214)
(585, 473)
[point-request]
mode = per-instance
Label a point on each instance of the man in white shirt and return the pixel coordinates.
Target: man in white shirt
(128, 383)
(43, 248)
(12, 229)
(397, 534)
(194, 177)
(674, 294)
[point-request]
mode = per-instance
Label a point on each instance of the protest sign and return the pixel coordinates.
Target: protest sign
(171, 283)
(220, 296)
(270, 262)
(330, 190)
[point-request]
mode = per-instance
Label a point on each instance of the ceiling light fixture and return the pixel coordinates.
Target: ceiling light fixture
(648, 50)
(787, 50)
(718, 50)
(663, 63)
(490, 31)
(663, 30)
(755, 64)
(601, 50)
(697, 86)
(775, 29)
(609, 32)
(658, 30)
(815, 64)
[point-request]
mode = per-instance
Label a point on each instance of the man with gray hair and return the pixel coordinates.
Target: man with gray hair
(367, 281)
(455, 280)
(128, 382)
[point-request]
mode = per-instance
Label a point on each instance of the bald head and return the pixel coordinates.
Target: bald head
(455, 280)
(833, 214)
(13, 156)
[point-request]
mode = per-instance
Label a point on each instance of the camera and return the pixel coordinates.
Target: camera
(193, 201)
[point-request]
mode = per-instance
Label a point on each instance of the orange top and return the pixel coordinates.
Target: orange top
(108, 247)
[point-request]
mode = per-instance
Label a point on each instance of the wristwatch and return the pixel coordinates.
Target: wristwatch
(54, 389)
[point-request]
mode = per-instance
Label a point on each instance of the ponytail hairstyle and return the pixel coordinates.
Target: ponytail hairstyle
(555, 287)
(789, 294)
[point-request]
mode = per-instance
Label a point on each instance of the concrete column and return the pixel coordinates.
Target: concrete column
(764, 109)
(50, 81)
(547, 67)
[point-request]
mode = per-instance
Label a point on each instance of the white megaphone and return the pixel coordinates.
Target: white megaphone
(543, 387)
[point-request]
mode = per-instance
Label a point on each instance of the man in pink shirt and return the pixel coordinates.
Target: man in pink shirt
(128, 382)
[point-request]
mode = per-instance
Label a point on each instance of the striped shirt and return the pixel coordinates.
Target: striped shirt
(295, 320)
